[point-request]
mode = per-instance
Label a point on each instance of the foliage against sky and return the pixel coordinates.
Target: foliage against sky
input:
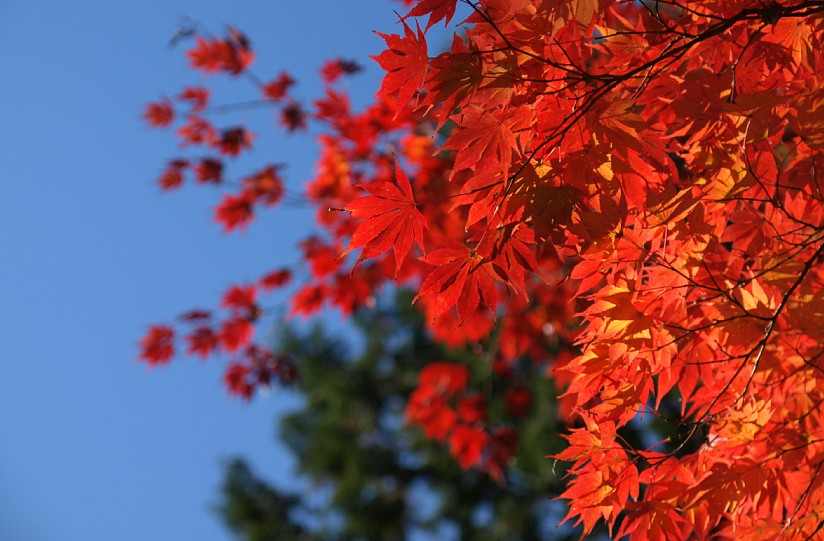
(635, 183)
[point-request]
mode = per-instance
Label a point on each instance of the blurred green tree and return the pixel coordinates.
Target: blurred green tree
(369, 475)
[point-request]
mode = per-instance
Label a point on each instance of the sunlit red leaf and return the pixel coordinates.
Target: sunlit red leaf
(436, 9)
(391, 219)
(405, 61)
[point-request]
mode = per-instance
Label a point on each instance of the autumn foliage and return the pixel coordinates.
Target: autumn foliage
(627, 193)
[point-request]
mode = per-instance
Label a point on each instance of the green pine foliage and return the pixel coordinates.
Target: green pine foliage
(370, 476)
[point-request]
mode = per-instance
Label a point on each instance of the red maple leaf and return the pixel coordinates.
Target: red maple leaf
(235, 211)
(157, 347)
(159, 114)
(486, 140)
(322, 256)
(467, 445)
(391, 219)
(240, 298)
(309, 299)
(197, 130)
(172, 176)
(265, 185)
(293, 117)
(235, 333)
(276, 89)
(275, 279)
(234, 140)
(437, 10)
(196, 95)
(442, 378)
(332, 70)
(405, 61)
(462, 280)
(236, 379)
(472, 409)
(202, 342)
(232, 55)
(208, 170)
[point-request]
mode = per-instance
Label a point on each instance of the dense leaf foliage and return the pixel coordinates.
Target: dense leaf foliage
(636, 184)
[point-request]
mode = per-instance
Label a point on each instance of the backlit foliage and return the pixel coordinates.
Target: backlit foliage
(629, 193)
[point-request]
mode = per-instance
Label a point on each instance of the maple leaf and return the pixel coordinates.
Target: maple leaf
(195, 315)
(323, 257)
(234, 140)
(332, 70)
(453, 79)
(660, 166)
(235, 333)
(437, 10)
(205, 55)
(293, 117)
(485, 141)
(157, 347)
(240, 298)
(236, 379)
(235, 211)
(405, 62)
(197, 130)
(172, 176)
(159, 114)
(275, 279)
(208, 170)
(236, 52)
(276, 90)
(442, 378)
(197, 96)
(584, 10)
(265, 185)
(391, 219)
(472, 409)
(462, 280)
(309, 299)
(232, 55)
(433, 414)
(467, 445)
(501, 448)
(202, 342)
(656, 521)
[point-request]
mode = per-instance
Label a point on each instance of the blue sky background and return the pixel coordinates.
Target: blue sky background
(93, 445)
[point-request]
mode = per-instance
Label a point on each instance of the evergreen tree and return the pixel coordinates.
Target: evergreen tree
(370, 475)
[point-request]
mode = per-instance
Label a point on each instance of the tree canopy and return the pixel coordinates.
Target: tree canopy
(626, 193)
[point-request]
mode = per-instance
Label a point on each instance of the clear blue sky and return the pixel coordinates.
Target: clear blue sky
(93, 445)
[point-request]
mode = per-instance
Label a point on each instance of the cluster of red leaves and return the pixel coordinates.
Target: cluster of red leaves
(232, 54)
(450, 413)
(258, 368)
(232, 333)
(642, 181)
